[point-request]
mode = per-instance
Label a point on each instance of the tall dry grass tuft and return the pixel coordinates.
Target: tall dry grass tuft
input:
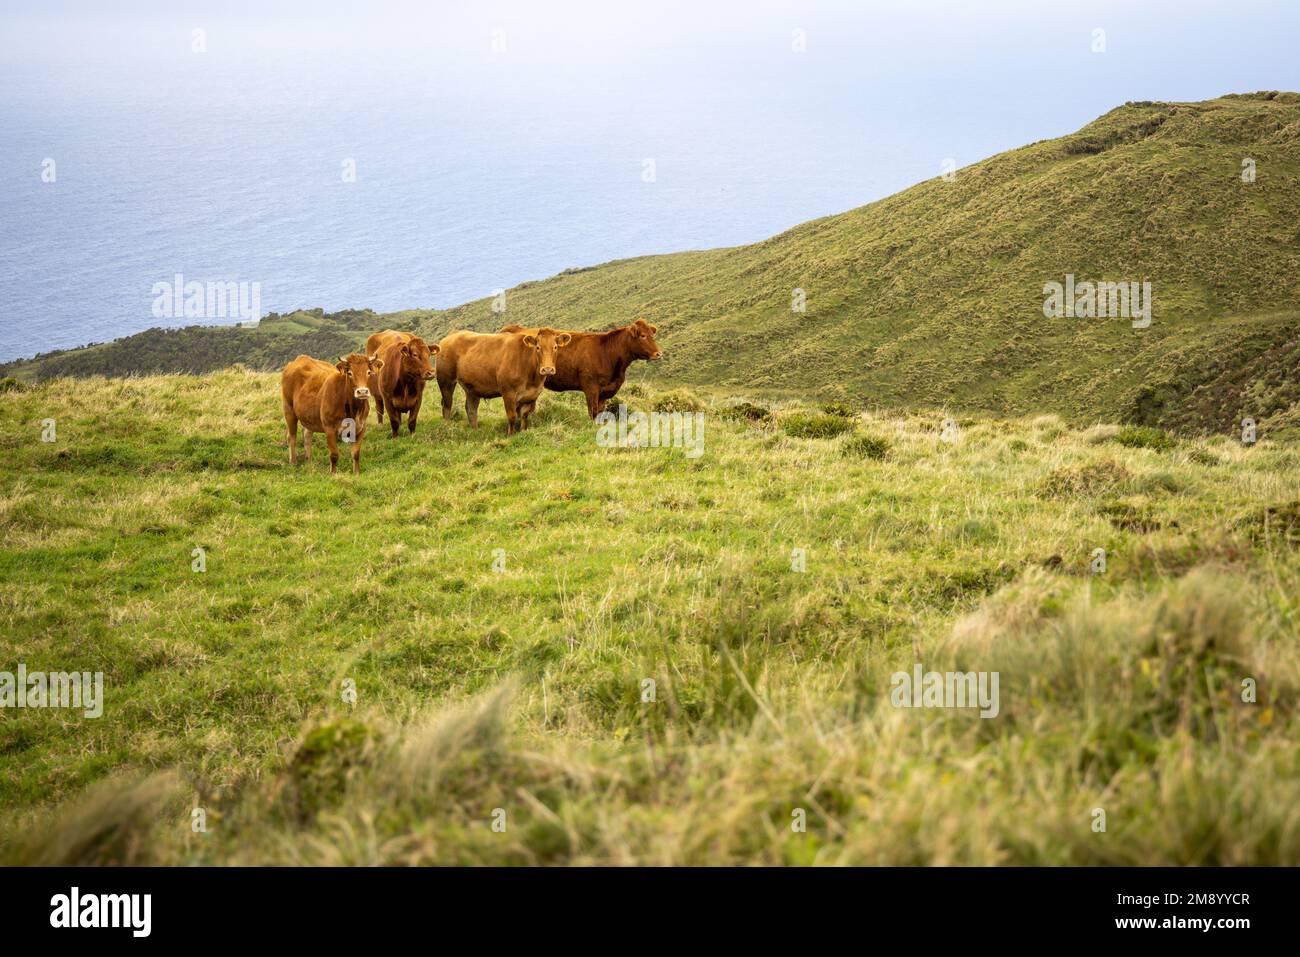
(117, 822)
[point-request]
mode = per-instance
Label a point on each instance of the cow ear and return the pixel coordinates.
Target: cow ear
(406, 349)
(530, 341)
(376, 363)
(342, 364)
(562, 340)
(434, 350)
(653, 330)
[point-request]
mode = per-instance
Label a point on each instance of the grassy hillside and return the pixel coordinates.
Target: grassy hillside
(934, 296)
(269, 344)
(523, 687)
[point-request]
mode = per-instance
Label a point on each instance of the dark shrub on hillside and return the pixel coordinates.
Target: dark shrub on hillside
(318, 772)
(1145, 437)
(865, 447)
(1132, 516)
(678, 400)
(838, 408)
(803, 425)
(746, 412)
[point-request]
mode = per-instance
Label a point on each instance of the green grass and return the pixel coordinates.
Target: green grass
(522, 687)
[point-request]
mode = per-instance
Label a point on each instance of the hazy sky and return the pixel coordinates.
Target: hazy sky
(1005, 65)
(954, 78)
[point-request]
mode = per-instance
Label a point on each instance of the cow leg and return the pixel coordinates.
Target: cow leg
(332, 440)
(306, 445)
(592, 392)
(512, 414)
(471, 408)
(448, 390)
(394, 417)
(379, 408)
(291, 427)
(356, 456)
(412, 415)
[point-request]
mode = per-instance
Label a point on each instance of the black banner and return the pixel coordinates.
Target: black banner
(212, 906)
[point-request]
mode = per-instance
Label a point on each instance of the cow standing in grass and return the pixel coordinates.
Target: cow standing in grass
(595, 363)
(407, 366)
(512, 365)
(333, 399)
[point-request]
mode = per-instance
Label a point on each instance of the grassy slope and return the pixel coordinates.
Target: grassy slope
(196, 349)
(523, 689)
(934, 296)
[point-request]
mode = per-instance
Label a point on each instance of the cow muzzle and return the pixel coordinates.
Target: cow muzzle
(361, 394)
(547, 370)
(657, 356)
(428, 375)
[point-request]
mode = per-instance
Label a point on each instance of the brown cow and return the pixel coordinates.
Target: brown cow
(512, 365)
(407, 366)
(379, 339)
(328, 398)
(595, 363)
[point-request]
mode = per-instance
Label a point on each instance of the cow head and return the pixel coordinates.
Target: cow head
(357, 370)
(417, 358)
(545, 343)
(643, 341)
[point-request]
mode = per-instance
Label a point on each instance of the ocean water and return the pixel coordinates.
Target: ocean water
(495, 144)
